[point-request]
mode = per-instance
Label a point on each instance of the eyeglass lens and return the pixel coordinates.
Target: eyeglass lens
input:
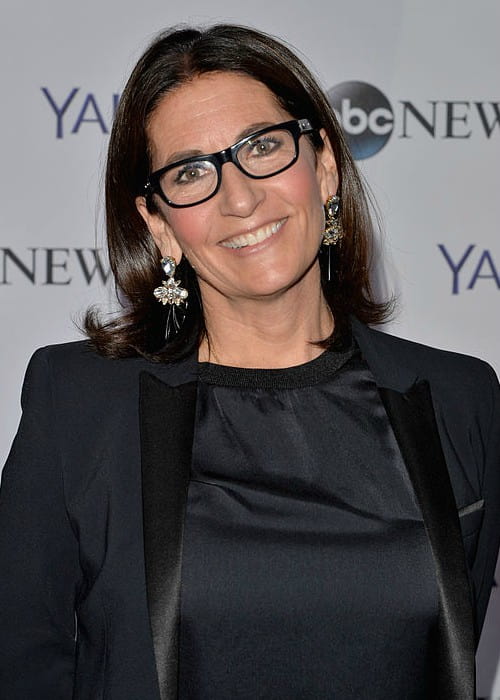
(259, 156)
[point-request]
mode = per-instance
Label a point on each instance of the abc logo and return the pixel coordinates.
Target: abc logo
(365, 114)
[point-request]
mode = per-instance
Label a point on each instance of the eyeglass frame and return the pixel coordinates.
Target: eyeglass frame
(296, 127)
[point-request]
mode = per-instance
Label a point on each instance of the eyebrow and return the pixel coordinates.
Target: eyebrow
(194, 153)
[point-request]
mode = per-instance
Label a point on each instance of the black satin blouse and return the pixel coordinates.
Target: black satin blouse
(306, 569)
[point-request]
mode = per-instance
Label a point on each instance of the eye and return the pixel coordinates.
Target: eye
(190, 172)
(262, 146)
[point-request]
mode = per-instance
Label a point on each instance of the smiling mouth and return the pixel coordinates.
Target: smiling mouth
(258, 236)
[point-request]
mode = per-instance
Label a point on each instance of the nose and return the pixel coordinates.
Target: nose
(239, 195)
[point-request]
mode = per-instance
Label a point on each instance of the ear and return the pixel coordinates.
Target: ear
(326, 168)
(160, 230)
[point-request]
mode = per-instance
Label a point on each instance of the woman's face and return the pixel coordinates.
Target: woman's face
(276, 222)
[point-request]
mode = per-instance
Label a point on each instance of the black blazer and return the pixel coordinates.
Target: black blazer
(90, 543)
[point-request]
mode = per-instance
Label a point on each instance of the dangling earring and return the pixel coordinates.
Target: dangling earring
(172, 294)
(333, 232)
(333, 227)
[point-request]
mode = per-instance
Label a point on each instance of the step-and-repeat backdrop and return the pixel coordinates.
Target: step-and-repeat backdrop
(415, 85)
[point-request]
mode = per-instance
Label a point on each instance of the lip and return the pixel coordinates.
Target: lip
(253, 238)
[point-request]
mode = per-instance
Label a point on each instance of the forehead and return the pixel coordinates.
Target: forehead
(209, 113)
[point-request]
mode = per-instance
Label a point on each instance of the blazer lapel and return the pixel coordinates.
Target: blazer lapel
(413, 421)
(167, 424)
(409, 406)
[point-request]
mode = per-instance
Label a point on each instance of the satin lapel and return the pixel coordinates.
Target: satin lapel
(414, 424)
(167, 424)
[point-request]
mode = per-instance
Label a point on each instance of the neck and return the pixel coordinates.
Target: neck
(265, 333)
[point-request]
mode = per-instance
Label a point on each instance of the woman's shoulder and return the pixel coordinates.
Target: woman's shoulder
(400, 356)
(78, 367)
(79, 361)
(80, 355)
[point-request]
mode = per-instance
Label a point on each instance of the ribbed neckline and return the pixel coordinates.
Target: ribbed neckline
(316, 371)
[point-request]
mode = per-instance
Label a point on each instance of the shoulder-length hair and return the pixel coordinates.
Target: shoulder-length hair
(175, 57)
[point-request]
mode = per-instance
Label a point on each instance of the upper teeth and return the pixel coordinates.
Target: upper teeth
(252, 238)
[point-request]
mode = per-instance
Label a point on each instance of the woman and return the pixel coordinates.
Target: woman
(243, 491)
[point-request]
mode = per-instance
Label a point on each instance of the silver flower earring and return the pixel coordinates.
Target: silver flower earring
(174, 295)
(170, 292)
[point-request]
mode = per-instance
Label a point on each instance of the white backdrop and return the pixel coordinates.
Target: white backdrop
(434, 67)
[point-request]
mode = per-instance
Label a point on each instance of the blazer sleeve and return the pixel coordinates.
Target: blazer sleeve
(39, 565)
(483, 569)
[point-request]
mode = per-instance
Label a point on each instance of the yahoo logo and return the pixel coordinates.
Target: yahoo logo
(74, 110)
(469, 267)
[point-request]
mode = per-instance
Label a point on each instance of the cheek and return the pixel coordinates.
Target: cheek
(306, 193)
(304, 187)
(187, 227)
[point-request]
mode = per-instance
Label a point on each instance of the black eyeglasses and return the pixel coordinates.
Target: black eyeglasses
(265, 153)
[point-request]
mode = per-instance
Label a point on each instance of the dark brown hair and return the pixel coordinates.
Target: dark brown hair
(175, 57)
